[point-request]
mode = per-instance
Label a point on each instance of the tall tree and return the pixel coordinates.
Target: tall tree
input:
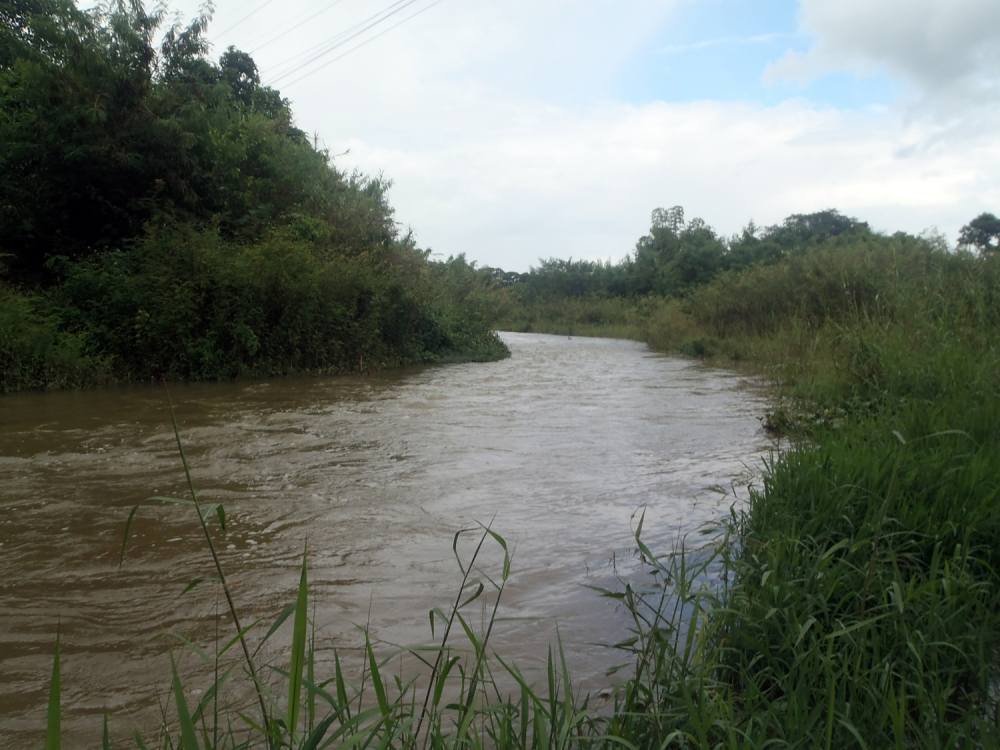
(982, 233)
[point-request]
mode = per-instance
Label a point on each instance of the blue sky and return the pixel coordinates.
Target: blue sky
(520, 129)
(720, 50)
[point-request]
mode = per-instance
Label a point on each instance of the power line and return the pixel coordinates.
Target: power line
(248, 15)
(367, 41)
(299, 25)
(365, 26)
(303, 58)
(296, 60)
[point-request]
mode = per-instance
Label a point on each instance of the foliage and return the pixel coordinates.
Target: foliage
(982, 233)
(674, 259)
(190, 305)
(34, 350)
(675, 254)
(577, 316)
(863, 596)
(203, 235)
(105, 133)
(857, 594)
(853, 602)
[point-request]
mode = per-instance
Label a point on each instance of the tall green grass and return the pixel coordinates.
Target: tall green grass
(858, 597)
(864, 598)
(854, 601)
(459, 696)
(611, 317)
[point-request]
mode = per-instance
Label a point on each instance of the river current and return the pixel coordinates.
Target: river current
(559, 447)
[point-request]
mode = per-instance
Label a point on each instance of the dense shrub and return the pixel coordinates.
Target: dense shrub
(35, 352)
(202, 235)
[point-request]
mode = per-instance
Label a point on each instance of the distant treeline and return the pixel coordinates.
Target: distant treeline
(676, 258)
(861, 596)
(678, 255)
(862, 601)
(162, 216)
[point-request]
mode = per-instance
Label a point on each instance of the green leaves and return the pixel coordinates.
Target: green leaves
(189, 737)
(175, 224)
(298, 650)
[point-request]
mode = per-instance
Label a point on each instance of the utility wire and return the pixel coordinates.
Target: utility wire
(296, 62)
(299, 25)
(365, 26)
(367, 41)
(248, 15)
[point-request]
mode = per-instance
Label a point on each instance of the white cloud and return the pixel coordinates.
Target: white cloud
(584, 185)
(723, 41)
(942, 48)
(501, 129)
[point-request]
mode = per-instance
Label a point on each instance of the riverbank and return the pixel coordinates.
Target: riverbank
(863, 601)
(188, 306)
(562, 443)
(855, 599)
(194, 242)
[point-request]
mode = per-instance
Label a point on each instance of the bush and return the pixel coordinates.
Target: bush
(183, 303)
(36, 353)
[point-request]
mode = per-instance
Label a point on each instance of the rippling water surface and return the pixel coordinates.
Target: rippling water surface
(559, 445)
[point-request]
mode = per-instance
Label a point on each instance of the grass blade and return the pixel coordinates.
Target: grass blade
(189, 737)
(298, 649)
(251, 668)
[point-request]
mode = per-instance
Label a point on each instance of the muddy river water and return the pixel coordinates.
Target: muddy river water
(559, 445)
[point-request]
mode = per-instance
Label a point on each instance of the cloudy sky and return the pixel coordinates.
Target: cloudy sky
(519, 129)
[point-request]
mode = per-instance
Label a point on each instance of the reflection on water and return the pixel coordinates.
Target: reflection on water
(559, 445)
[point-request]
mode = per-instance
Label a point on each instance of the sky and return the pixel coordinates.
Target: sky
(515, 130)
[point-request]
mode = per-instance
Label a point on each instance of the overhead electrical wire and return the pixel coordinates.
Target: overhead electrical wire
(301, 59)
(247, 16)
(340, 40)
(367, 41)
(299, 25)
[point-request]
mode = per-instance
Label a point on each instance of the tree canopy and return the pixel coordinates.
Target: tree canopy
(677, 255)
(161, 215)
(104, 133)
(982, 233)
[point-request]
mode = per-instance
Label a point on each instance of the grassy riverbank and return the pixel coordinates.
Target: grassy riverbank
(856, 599)
(865, 598)
(864, 601)
(189, 305)
(609, 317)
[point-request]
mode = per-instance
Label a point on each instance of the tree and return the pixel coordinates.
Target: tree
(982, 233)
(240, 72)
(75, 131)
(103, 133)
(800, 231)
(675, 255)
(669, 218)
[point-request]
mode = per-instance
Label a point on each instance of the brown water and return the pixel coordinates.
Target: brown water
(560, 445)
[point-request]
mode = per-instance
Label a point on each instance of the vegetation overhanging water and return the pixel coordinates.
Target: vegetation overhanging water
(860, 597)
(863, 606)
(561, 443)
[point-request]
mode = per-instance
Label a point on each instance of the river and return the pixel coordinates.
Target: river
(559, 446)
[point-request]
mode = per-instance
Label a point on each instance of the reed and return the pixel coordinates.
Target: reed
(457, 701)
(853, 601)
